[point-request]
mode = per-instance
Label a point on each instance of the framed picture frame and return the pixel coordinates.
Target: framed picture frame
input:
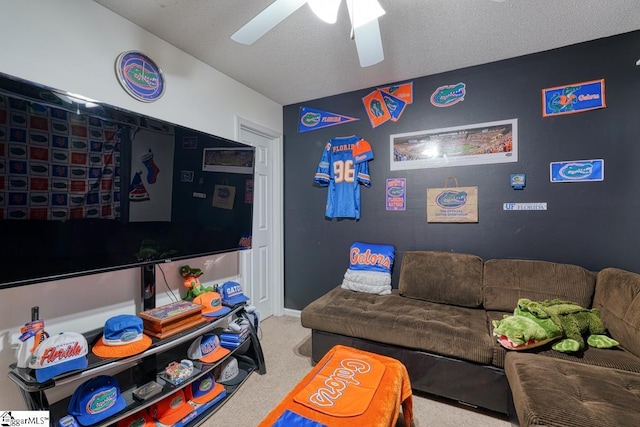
(473, 144)
(230, 160)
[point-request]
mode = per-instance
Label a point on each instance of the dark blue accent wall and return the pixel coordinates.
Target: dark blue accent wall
(591, 224)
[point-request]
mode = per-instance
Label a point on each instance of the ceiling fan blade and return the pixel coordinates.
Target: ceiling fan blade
(369, 43)
(275, 13)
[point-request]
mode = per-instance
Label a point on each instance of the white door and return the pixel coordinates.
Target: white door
(262, 266)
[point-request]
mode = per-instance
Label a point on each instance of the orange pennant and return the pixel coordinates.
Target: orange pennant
(403, 91)
(376, 108)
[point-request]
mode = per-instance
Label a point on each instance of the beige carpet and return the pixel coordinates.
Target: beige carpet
(287, 348)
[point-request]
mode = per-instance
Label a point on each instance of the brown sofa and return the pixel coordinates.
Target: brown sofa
(438, 323)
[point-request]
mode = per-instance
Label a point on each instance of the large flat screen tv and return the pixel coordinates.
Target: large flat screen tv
(86, 188)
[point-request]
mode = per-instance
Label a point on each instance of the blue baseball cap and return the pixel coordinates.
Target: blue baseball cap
(232, 293)
(122, 337)
(204, 389)
(96, 399)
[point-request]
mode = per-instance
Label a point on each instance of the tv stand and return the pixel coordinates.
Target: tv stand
(148, 284)
(139, 369)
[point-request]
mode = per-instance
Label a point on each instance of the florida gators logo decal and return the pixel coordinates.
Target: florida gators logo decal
(446, 96)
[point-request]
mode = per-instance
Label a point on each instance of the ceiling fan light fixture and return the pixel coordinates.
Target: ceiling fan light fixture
(364, 11)
(327, 10)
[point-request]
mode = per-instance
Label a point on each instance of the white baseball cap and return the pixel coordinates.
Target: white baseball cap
(58, 354)
(230, 374)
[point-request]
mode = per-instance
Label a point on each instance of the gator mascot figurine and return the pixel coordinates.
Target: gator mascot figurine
(536, 323)
(192, 282)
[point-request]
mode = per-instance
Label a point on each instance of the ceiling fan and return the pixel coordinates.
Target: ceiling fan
(363, 15)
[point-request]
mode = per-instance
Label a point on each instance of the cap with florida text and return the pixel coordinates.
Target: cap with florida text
(58, 354)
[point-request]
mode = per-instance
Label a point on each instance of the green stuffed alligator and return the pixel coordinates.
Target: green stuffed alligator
(536, 323)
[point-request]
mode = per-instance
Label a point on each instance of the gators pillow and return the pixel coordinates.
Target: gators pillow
(368, 257)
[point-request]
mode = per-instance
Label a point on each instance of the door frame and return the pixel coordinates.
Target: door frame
(276, 172)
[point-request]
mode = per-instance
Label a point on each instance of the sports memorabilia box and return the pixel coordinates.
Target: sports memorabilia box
(170, 319)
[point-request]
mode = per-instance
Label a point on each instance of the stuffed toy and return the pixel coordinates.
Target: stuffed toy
(192, 282)
(536, 323)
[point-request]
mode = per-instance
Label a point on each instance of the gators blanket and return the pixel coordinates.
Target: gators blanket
(348, 387)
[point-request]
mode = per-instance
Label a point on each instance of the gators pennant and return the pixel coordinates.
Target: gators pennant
(312, 119)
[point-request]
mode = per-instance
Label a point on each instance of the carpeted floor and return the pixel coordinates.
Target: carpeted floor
(287, 349)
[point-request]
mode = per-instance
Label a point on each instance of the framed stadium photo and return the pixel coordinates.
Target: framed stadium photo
(230, 160)
(475, 144)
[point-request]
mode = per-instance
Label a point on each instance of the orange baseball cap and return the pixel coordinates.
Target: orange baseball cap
(207, 349)
(172, 409)
(212, 302)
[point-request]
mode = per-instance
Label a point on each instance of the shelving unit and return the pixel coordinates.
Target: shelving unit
(137, 370)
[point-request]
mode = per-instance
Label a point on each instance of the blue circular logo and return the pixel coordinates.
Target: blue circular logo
(139, 76)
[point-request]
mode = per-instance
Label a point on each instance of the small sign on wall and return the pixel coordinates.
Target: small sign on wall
(577, 170)
(573, 98)
(537, 206)
(453, 204)
(396, 193)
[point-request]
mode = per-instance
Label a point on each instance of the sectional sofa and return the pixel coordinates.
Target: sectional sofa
(438, 322)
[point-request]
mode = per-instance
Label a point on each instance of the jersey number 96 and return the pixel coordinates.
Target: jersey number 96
(344, 171)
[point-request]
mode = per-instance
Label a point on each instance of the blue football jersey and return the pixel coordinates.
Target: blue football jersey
(338, 170)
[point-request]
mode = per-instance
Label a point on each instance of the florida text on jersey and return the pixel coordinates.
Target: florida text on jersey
(338, 170)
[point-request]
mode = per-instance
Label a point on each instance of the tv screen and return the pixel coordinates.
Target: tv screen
(86, 187)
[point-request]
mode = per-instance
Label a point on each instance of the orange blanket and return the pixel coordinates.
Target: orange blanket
(350, 387)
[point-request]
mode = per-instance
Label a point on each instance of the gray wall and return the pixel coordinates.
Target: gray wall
(592, 224)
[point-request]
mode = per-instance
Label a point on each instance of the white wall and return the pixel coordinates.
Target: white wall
(72, 45)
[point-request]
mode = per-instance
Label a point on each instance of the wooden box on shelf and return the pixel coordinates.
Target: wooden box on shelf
(170, 319)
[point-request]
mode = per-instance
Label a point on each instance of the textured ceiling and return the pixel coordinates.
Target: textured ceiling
(303, 58)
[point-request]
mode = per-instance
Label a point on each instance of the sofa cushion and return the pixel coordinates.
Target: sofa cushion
(617, 297)
(498, 351)
(507, 280)
(442, 277)
(447, 330)
(552, 392)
